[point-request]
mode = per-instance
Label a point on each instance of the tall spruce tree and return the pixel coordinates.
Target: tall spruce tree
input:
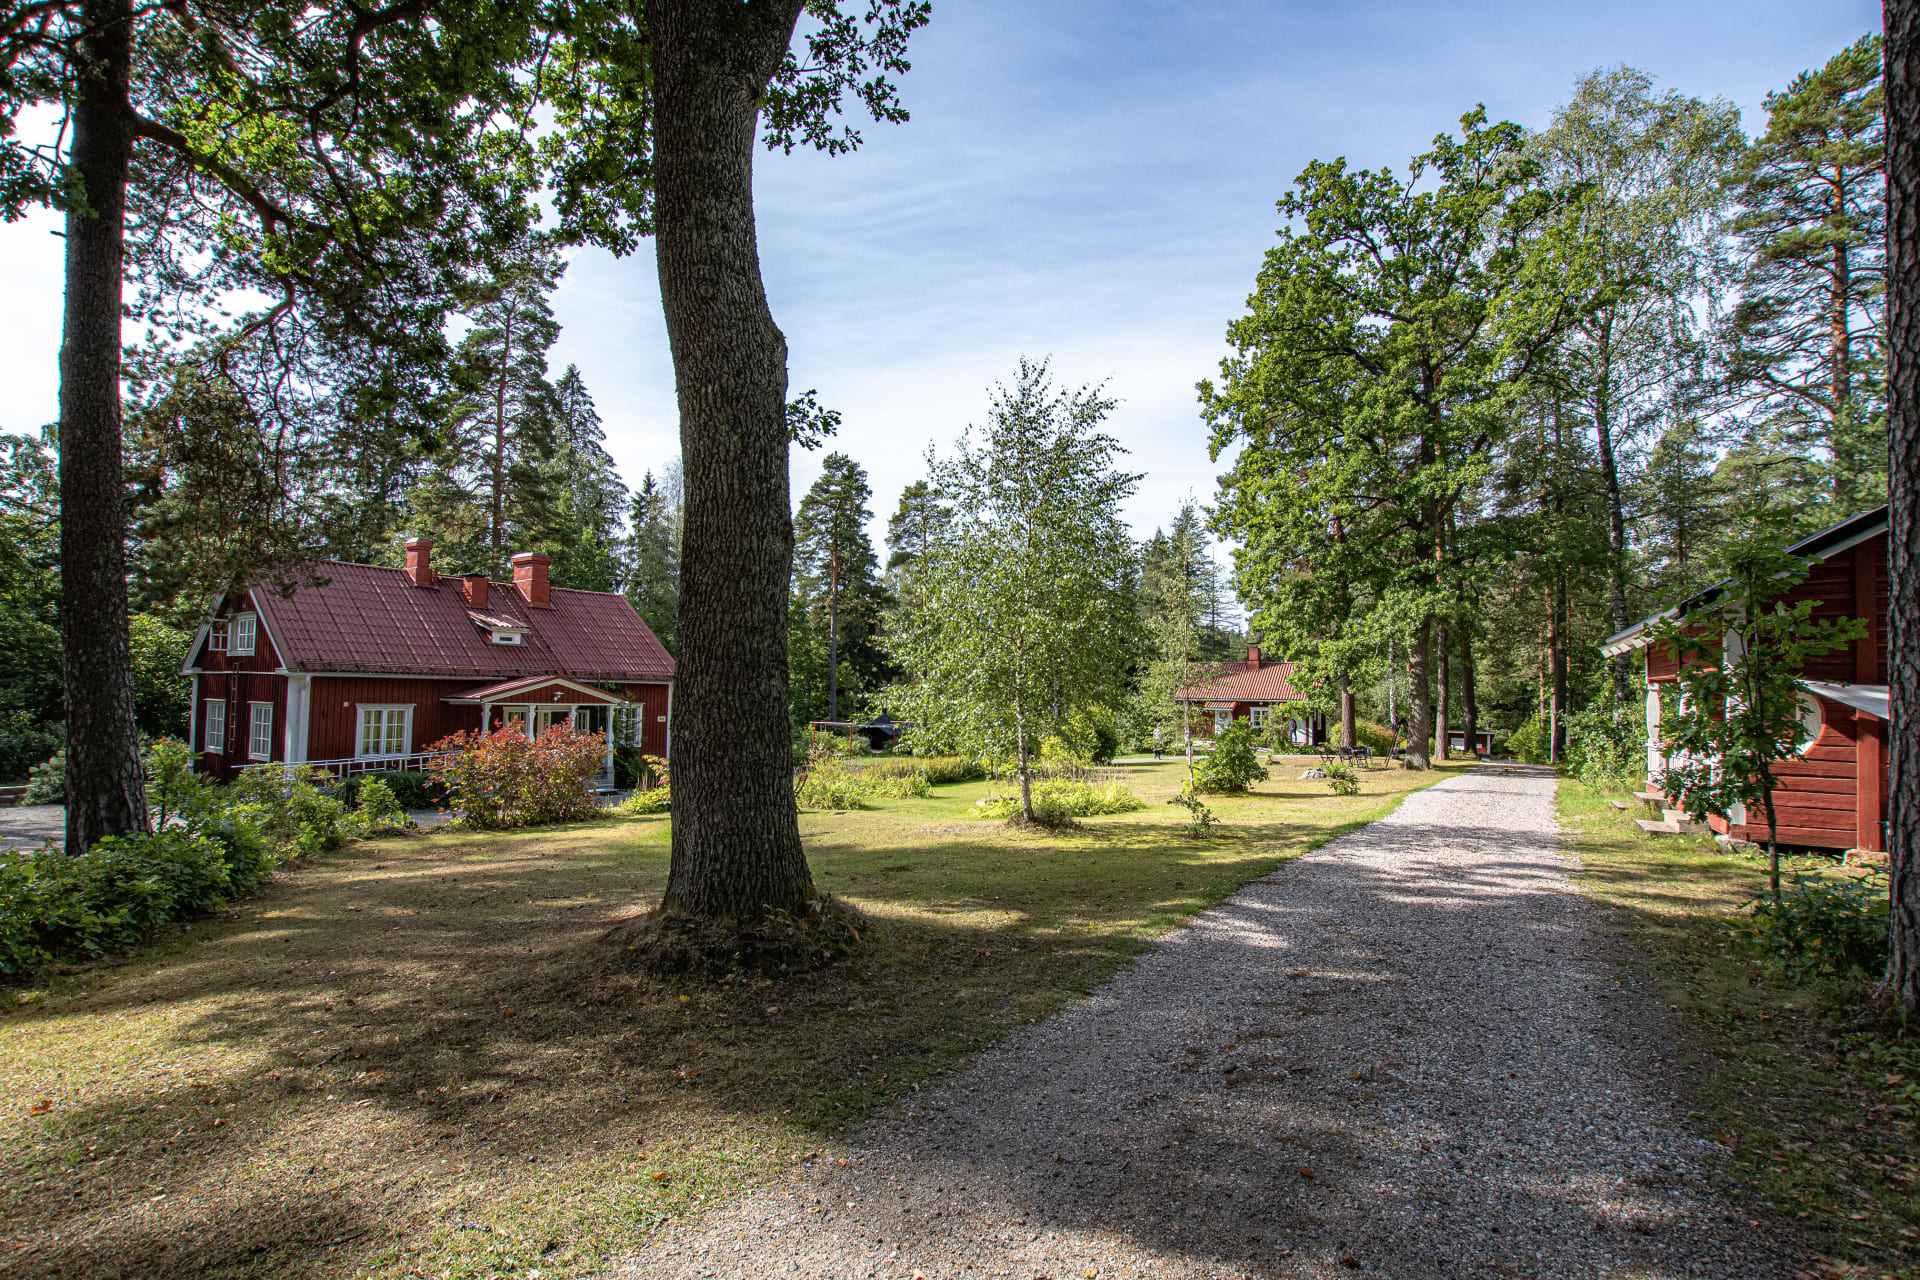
(911, 532)
(1806, 344)
(653, 553)
(834, 565)
(590, 522)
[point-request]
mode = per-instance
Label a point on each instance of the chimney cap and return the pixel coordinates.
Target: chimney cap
(418, 542)
(530, 557)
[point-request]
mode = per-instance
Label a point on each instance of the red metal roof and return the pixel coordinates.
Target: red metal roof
(562, 689)
(371, 620)
(1240, 682)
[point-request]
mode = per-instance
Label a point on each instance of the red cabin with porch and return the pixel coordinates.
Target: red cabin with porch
(1833, 794)
(1256, 691)
(372, 666)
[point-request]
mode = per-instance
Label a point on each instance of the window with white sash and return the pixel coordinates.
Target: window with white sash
(384, 730)
(217, 637)
(259, 731)
(1259, 716)
(215, 739)
(240, 636)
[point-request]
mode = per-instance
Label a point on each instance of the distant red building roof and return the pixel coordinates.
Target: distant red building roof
(375, 621)
(1255, 680)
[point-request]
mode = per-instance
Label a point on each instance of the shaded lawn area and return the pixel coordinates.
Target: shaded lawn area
(406, 1058)
(1818, 1124)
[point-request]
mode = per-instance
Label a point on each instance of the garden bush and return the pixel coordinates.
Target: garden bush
(828, 784)
(177, 797)
(504, 779)
(410, 790)
(1232, 768)
(1089, 736)
(1529, 741)
(947, 771)
(895, 778)
(657, 799)
(1823, 927)
(1607, 745)
(106, 899)
(1059, 799)
(25, 740)
(378, 812)
(294, 806)
(1342, 778)
(1376, 738)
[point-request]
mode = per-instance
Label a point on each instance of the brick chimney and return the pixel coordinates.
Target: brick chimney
(420, 561)
(474, 587)
(1253, 657)
(530, 576)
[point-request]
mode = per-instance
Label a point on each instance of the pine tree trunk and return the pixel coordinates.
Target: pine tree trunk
(1443, 689)
(1558, 644)
(736, 834)
(833, 651)
(1420, 697)
(105, 792)
(1467, 694)
(1903, 393)
(1348, 737)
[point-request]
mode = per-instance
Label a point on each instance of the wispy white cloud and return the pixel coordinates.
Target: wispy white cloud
(1088, 180)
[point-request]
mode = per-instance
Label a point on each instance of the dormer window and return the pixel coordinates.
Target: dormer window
(500, 630)
(502, 636)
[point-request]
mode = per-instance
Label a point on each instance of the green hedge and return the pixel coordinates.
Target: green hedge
(411, 790)
(108, 898)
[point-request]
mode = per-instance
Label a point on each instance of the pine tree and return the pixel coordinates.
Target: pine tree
(1806, 341)
(834, 565)
(1680, 500)
(499, 443)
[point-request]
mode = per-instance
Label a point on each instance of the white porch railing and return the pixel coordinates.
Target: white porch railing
(419, 762)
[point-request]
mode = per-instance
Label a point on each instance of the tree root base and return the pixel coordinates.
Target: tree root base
(674, 944)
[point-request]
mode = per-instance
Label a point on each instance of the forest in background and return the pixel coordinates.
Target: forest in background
(1630, 332)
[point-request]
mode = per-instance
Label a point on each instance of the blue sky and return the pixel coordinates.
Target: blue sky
(1088, 181)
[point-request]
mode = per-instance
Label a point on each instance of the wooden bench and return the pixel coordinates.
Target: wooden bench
(10, 796)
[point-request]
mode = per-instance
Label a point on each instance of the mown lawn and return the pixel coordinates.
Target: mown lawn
(1815, 1105)
(408, 1058)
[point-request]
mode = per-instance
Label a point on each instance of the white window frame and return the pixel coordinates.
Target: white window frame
(240, 641)
(259, 731)
(506, 637)
(1257, 716)
(217, 636)
(214, 710)
(360, 711)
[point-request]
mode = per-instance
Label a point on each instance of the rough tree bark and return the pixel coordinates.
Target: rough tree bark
(1348, 738)
(736, 835)
(105, 794)
(1903, 393)
(1557, 640)
(1442, 694)
(1420, 697)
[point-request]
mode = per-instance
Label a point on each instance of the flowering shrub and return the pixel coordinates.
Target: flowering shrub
(504, 779)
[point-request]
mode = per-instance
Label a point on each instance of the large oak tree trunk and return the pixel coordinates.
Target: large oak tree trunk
(736, 834)
(1903, 388)
(105, 795)
(1420, 697)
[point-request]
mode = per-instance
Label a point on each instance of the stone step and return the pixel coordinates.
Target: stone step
(1657, 828)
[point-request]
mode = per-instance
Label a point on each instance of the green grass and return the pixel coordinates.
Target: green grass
(1814, 1104)
(409, 1057)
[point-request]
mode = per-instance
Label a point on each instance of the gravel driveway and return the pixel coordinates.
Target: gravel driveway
(1406, 1054)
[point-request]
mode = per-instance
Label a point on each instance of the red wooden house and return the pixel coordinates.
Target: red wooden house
(1833, 795)
(1256, 691)
(369, 669)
